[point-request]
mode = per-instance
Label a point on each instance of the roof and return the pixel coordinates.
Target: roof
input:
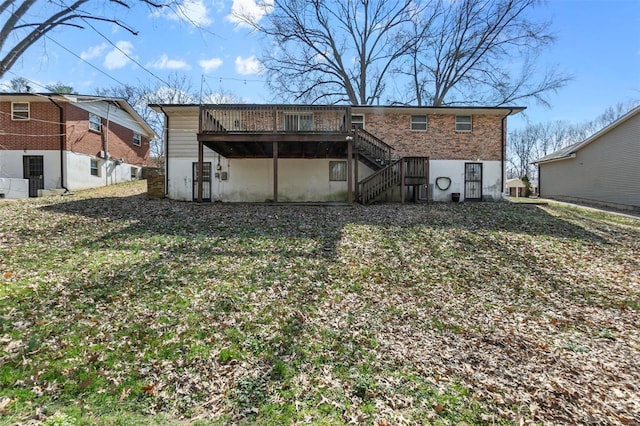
(507, 110)
(82, 99)
(570, 151)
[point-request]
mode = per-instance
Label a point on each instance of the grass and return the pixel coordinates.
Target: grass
(116, 309)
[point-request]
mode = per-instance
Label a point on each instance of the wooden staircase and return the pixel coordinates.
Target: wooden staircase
(403, 172)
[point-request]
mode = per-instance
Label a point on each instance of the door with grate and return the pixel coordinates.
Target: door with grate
(33, 170)
(206, 182)
(473, 181)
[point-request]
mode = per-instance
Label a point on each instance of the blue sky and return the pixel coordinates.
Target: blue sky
(598, 43)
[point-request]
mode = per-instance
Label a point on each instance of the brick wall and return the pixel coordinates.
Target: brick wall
(440, 141)
(39, 132)
(83, 140)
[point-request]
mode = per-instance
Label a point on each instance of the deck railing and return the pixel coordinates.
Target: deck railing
(274, 118)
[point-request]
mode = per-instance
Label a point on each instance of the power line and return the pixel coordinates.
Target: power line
(120, 50)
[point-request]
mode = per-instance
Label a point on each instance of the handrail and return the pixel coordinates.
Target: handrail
(395, 174)
(377, 183)
(372, 146)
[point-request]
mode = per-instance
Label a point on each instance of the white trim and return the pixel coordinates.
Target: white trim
(13, 111)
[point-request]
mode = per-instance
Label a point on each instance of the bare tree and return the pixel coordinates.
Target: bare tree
(535, 141)
(334, 51)
(179, 90)
(471, 54)
(28, 21)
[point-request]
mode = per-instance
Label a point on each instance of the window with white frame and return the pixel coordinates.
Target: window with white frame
(463, 123)
(20, 110)
(95, 122)
(137, 139)
(134, 173)
(95, 167)
(299, 122)
(419, 122)
(337, 170)
(357, 121)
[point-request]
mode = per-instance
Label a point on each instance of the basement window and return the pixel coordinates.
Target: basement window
(95, 122)
(337, 171)
(19, 110)
(463, 123)
(137, 139)
(419, 122)
(95, 167)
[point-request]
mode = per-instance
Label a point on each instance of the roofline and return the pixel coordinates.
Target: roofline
(509, 109)
(572, 154)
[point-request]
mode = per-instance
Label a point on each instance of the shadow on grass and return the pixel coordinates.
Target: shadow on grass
(289, 253)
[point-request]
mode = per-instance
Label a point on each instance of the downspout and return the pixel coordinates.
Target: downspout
(166, 152)
(503, 149)
(106, 150)
(62, 142)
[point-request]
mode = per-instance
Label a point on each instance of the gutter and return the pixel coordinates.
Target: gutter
(62, 142)
(166, 152)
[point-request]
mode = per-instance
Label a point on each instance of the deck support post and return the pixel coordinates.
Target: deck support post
(355, 173)
(402, 173)
(350, 169)
(200, 169)
(275, 171)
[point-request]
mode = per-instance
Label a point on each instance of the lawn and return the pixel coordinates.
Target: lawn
(116, 309)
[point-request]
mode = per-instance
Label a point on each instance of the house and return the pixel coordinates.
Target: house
(515, 187)
(51, 142)
(258, 153)
(604, 168)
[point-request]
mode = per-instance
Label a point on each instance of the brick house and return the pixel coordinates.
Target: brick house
(68, 142)
(366, 154)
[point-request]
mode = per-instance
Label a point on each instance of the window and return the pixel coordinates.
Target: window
(20, 110)
(357, 121)
(95, 167)
(134, 173)
(463, 123)
(298, 122)
(137, 139)
(337, 170)
(95, 123)
(419, 122)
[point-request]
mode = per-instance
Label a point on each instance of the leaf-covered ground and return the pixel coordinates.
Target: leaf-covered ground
(115, 309)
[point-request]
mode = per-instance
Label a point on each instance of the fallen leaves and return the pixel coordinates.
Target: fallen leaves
(384, 314)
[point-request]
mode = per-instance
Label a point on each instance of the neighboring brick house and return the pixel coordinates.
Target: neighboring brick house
(334, 153)
(68, 142)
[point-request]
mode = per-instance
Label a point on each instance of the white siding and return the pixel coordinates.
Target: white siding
(606, 170)
(108, 110)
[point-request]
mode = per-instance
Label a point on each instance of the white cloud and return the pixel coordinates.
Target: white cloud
(93, 51)
(164, 63)
(116, 58)
(246, 66)
(210, 64)
(195, 12)
(249, 9)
